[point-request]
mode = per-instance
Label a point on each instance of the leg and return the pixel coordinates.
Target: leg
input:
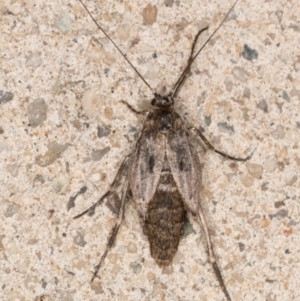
(133, 109)
(72, 199)
(211, 254)
(115, 230)
(90, 211)
(209, 145)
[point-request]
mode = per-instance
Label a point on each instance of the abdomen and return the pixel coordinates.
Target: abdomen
(165, 219)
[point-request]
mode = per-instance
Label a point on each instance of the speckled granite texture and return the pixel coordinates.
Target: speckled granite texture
(63, 126)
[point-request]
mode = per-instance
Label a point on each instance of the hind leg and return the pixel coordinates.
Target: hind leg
(114, 231)
(211, 254)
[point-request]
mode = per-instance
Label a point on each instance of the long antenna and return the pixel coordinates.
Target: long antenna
(124, 55)
(182, 77)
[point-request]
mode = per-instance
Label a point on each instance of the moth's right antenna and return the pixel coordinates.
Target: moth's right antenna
(124, 55)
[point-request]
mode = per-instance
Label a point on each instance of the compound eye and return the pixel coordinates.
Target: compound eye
(153, 102)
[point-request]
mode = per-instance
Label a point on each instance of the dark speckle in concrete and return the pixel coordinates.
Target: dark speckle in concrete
(114, 203)
(241, 246)
(207, 120)
(263, 106)
(37, 112)
(249, 53)
(102, 131)
(98, 154)
(5, 96)
(225, 127)
(79, 239)
(136, 267)
(169, 3)
(11, 210)
(188, 228)
(285, 96)
(281, 214)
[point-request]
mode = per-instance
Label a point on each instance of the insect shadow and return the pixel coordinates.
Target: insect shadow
(162, 175)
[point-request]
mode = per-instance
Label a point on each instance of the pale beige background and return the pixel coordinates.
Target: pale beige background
(252, 208)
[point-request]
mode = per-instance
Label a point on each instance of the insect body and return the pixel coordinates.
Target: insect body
(163, 177)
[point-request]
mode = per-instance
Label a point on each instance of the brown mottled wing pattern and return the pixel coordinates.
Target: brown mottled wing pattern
(147, 163)
(184, 164)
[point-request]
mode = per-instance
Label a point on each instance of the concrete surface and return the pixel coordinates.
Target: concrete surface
(62, 126)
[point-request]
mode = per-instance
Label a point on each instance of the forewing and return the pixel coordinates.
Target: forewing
(185, 165)
(146, 166)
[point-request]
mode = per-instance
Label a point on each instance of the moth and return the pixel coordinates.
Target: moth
(162, 174)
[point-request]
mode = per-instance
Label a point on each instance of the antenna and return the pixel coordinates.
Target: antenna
(183, 76)
(111, 40)
(173, 93)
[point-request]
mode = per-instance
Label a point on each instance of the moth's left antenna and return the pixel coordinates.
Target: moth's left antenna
(182, 77)
(124, 55)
